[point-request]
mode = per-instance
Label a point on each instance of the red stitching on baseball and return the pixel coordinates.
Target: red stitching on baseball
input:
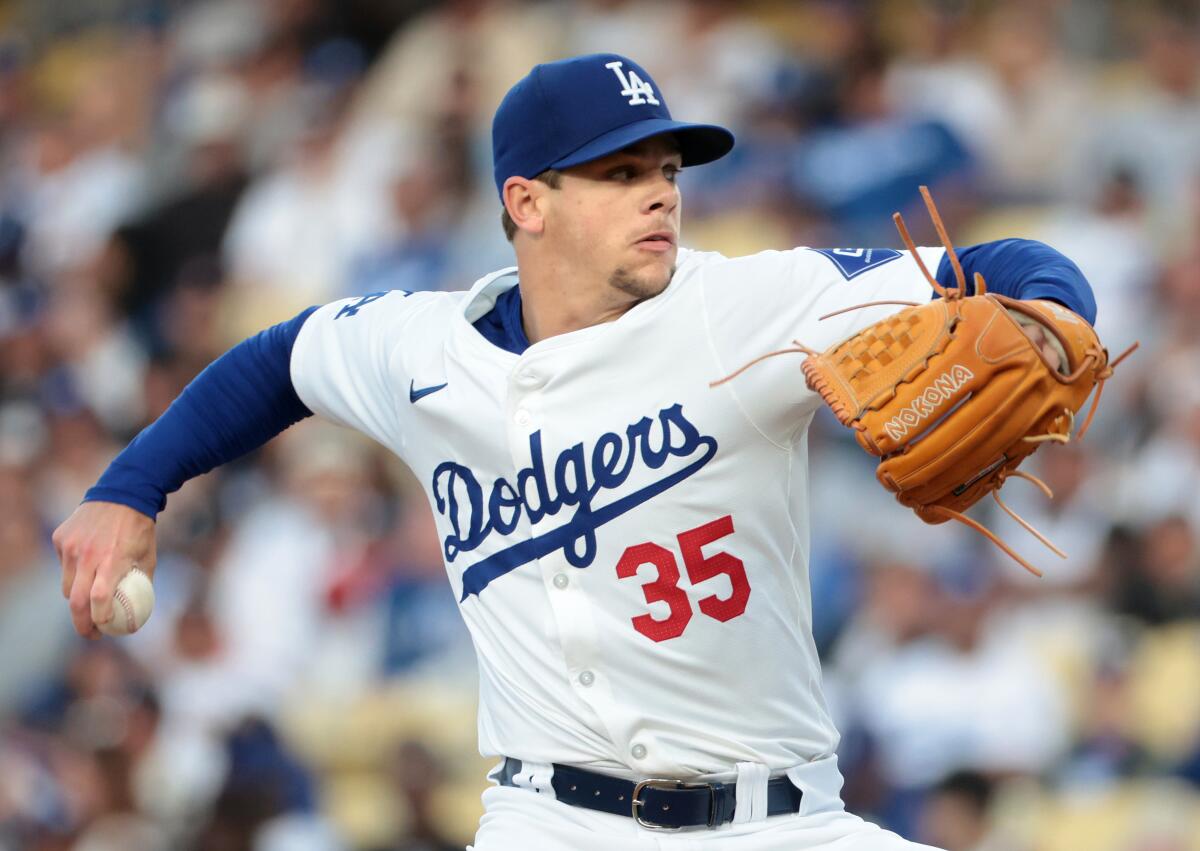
(130, 623)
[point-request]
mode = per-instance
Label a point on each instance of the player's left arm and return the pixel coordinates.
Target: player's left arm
(762, 302)
(1023, 269)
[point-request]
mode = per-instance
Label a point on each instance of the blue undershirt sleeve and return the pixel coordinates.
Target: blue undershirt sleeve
(238, 403)
(1024, 269)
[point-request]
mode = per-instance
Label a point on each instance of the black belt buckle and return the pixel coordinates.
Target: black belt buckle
(668, 785)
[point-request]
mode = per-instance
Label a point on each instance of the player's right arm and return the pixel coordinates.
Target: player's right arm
(333, 357)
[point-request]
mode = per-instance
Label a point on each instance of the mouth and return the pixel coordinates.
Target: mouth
(659, 241)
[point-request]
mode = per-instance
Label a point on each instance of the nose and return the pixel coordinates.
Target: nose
(663, 196)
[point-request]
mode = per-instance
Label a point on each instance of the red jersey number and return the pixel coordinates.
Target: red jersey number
(700, 568)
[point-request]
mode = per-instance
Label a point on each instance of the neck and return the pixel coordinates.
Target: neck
(558, 300)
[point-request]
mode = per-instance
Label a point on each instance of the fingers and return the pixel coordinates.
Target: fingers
(84, 584)
(101, 594)
(66, 559)
(1045, 343)
(1052, 357)
(80, 598)
(96, 545)
(74, 584)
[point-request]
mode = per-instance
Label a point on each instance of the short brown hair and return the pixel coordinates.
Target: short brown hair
(552, 178)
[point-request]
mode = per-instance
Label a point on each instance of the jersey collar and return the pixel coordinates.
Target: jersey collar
(481, 298)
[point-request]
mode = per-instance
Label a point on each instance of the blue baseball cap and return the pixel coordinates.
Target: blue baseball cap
(577, 110)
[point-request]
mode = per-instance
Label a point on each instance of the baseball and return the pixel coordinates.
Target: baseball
(133, 600)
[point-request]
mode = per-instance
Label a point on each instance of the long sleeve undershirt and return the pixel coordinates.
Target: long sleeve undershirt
(239, 402)
(1024, 269)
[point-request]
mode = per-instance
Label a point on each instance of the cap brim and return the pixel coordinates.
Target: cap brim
(698, 143)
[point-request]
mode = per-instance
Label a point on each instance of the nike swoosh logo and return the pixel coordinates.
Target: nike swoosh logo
(414, 394)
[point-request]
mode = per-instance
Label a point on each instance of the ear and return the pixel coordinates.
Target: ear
(521, 199)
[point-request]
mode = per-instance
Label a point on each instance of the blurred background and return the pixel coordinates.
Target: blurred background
(177, 175)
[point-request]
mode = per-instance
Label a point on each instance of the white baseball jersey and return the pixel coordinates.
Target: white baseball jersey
(629, 546)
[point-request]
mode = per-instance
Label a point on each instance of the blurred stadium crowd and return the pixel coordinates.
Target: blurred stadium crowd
(177, 175)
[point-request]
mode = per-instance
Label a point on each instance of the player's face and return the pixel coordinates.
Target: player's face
(619, 216)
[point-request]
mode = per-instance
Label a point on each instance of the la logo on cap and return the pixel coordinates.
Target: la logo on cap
(633, 87)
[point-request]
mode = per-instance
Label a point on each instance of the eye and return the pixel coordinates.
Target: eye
(623, 173)
(671, 172)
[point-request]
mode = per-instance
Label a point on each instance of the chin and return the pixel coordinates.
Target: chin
(646, 282)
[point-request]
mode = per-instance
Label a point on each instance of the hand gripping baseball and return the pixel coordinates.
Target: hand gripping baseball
(97, 545)
(953, 394)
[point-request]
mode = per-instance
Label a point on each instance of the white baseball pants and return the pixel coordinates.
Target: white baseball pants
(522, 818)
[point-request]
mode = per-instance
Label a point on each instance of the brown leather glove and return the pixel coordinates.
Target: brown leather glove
(953, 394)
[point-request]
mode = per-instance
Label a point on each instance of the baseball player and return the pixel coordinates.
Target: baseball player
(628, 545)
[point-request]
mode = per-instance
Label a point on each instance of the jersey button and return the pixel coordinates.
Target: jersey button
(638, 751)
(587, 678)
(561, 581)
(529, 378)
(522, 418)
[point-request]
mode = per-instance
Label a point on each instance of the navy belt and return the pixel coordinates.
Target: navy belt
(655, 804)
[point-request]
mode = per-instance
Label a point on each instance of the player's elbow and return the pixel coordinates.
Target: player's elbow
(1052, 275)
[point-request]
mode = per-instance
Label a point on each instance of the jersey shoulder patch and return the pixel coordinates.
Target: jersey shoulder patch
(852, 262)
(351, 307)
(389, 307)
(417, 319)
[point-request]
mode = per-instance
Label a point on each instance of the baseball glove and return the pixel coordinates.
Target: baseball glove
(952, 395)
